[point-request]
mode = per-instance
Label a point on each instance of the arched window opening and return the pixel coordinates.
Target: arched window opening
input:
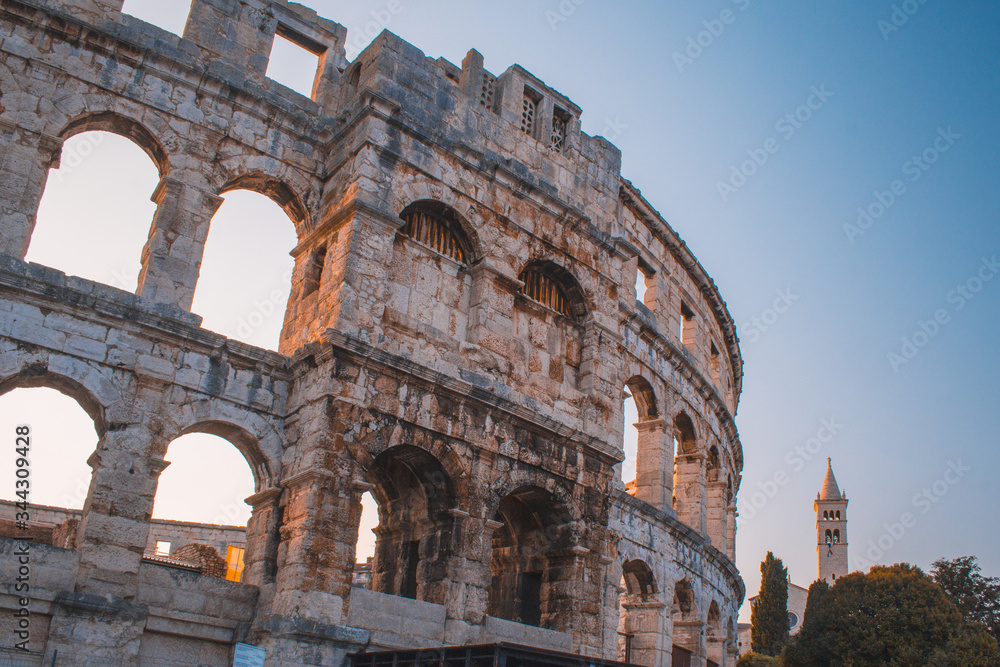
(638, 629)
(714, 635)
(687, 634)
(436, 226)
(553, 287)
(712, 464)
(684, 434)
(836, 536)
(716, 363)
(207, 482)
(631, 442)
(364, 553)
(61, 438)
(825, 514)
(246, 270)
(829, 537)
(838, 515)
(95, 213)
(414, 496)
(526, 586)
(640, 584)
(171, 16)
(314, 270)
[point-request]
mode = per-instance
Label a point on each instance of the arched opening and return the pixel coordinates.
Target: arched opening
(200, 516)
(715, 639)
(630, 441)
(246, 269)
(61, 438)
(836, 536)
(686, 625)
(95, 213)
(554, 287)
(437, 226)
(829, 537)
(825, 514)
(364, 552)
(533, 528)
(689, 474)
(414, 497)
(639, 617)
(838, 515)
(644, 441)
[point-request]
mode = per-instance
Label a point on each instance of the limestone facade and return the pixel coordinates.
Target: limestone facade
(461, 329)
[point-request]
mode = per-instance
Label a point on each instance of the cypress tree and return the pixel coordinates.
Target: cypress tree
(769, 615)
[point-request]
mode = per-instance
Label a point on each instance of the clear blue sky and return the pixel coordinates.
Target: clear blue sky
(881, 97)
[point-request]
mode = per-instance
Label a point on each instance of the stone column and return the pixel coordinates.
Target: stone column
(645, 621)
(691, 636)
(717, 515)
(25, 159)
(654, 480)
(731, 515)
(259, 561)
(317, 548)
(689, 488)
(171, 259)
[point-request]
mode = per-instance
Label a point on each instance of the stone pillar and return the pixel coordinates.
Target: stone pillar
(689, 486)
(490, 306)
(691, 635)
(259, 561)
(25, 159)
(318, 544)
(171, 259)
(654, 480)
(717, 515)
(111, 539)
(645, 621)
(731, 515)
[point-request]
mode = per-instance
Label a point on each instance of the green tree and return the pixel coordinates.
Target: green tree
(891, 616)
(769, 614)
(752, 659)
(976, 596)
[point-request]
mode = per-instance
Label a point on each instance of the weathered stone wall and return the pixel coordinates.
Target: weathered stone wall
(476, 393)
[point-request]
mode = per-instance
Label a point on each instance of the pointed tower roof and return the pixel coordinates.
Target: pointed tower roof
(830, 490)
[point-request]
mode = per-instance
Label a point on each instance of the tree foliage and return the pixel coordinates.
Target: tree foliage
(976, 596)
(769, 614)
(891, 616)
(752, 659)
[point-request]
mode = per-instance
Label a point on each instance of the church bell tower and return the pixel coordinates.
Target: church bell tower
(831, 529)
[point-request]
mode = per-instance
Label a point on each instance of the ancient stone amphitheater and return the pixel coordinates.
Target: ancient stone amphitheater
(462, 329)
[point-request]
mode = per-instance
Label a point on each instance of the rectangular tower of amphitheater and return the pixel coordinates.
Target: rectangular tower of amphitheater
(461, 330)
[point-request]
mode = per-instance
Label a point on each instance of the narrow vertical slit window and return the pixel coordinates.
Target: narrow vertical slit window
(687, 329)
(314, 271)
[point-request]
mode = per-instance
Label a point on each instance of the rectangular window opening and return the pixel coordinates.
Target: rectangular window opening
(234, 563)
(560, 128)
(170, 16)
(687, 325)
(294, 61)
(529, 111)
(162, 548)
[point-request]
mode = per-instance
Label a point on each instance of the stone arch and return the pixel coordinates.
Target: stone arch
(645, 397)
(245, 442)
(640, 584)
(415, 505)
(37, 375)
(685, 433)
(419, 189)
(518, 478)
(714, 638)
(458, 223)
(576, 306)
(531, 535)
(123, 125)
(684, 605)
(277, 190)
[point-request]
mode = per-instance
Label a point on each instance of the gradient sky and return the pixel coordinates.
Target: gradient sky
(685, 117)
